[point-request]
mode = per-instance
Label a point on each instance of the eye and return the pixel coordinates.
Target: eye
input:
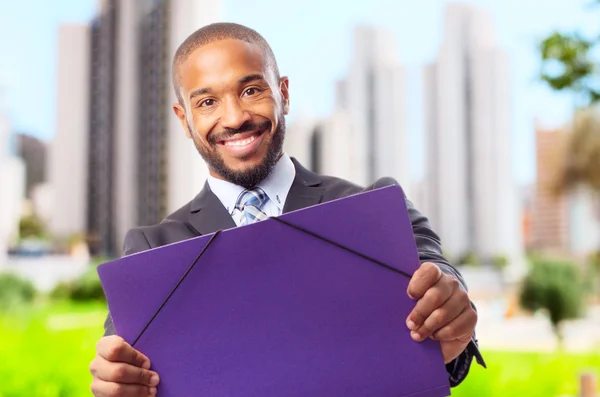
(207, 103)
(251, 91)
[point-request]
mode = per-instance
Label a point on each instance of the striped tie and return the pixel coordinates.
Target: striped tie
(250, 203)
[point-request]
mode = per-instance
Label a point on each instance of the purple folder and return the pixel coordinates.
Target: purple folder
(272, 309)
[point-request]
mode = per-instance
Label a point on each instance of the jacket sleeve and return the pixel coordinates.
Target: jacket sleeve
(430, 250)
(135, 241)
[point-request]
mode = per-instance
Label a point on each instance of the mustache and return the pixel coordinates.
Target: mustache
(230, 132)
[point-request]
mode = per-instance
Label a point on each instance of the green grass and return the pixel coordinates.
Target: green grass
(45, 352)
(528, 374)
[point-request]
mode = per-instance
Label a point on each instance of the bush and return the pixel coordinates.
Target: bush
(31, 227)
(86, 288)
(469, 259)
(556, 287)
(15, 291)
(499, 262)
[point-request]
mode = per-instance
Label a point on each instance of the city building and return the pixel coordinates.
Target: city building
(322, 145)
(562, 223)
(549, 210)
(372, 96)
(67, 163)
(141, 165)
(471, 197)
(33, 152)
(12, 180)
(365, 136)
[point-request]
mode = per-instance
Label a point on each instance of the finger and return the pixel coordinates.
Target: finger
(441, 316)
(434, 298)
(101, 388)
(424, 278)
(461, 328)
(123, 373)
(115, 349)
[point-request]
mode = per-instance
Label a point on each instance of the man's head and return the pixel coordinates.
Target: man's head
(231, 101)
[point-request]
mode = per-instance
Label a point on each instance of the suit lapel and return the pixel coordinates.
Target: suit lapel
(208, 213)
(305, 190)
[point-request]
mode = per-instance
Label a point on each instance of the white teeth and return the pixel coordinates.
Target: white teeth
(240, 142)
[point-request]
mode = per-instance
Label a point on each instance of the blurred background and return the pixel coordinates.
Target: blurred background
(485, 111)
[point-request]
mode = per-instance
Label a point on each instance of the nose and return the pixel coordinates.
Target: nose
(234, 115)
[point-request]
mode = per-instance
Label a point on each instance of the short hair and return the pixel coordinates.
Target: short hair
(216, 32)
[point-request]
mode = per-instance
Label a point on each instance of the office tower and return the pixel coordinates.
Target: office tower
(471, 195)
(562, 222)
(171, 171)
(550, 213)
(321, 145)
(298, 138)
(141, 165)
(33, 152)
(102, 132)
(372, 95)
(12, 180)
(68, 150)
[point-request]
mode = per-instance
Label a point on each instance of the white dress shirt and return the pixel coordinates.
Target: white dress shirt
(276, 186)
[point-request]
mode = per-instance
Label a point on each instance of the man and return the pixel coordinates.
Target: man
(232, 104)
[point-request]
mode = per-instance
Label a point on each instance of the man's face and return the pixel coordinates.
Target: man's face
(233, 110)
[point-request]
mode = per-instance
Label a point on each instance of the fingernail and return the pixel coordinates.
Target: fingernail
(411, 325)
(416, 336)
(146, 364)
(153, 391)
(154, 380)
(409, 295)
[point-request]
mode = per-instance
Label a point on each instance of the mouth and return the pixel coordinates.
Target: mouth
(243, 144)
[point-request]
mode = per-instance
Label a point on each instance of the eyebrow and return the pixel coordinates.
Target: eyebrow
(200, 91)
(251, 77)
(244, 80)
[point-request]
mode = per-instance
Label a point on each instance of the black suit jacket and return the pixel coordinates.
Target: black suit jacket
(206, 214)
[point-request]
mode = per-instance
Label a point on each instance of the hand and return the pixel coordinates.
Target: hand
(443, 311)
(118, 370)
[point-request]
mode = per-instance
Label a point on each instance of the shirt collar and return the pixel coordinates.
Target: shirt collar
(276, 185)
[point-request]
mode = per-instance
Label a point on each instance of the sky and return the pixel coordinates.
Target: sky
(312, 40)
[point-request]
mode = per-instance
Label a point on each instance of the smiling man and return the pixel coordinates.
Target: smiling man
(232, 104)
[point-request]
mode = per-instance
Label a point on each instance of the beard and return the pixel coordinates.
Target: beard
(251, 177)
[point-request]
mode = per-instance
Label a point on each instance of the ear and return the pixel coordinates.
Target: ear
(284, 86)
(181, 115)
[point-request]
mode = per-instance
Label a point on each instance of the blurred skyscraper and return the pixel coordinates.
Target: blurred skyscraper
(562, 223)
(365, 137)
(323, 145)
(549, 211)
(139, 166)
(68, 151)
(12, 180)
(373, 95)
(170, 171)
(33, 151)
(102, 146)
(471, 194)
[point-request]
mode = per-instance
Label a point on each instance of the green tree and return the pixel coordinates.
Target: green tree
(569, 64)
(499, 262)
(555, 287)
